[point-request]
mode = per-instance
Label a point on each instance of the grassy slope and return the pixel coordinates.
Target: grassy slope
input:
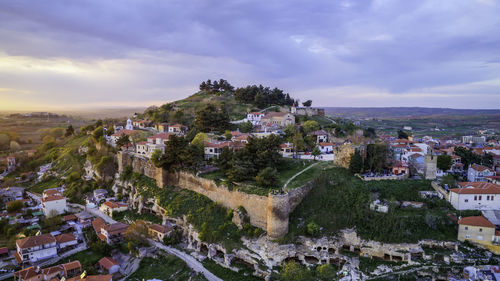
(339, 200)
(163, 268)
(194, 102)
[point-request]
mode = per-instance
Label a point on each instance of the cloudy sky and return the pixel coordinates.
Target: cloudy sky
(69, 54)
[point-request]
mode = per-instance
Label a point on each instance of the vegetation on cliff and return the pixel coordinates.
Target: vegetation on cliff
(340, 200)
(211, 220)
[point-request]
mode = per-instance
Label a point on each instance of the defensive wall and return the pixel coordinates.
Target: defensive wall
(270, 213)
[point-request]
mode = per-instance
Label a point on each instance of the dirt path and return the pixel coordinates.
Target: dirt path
(294, 176)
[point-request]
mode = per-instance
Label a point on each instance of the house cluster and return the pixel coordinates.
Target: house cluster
(109, 233)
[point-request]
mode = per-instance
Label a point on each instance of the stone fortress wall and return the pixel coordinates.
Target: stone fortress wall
(270, 213)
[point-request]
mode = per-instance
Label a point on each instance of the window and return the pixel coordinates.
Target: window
(466, 228)
(480, 230)
(480, 197)
(488, 198)
(492, 197)
(475, 198)
(466, 200)
(467, 236)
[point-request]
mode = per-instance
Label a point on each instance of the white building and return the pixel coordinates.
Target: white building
(255, 117)
(52, 200)
(325, 147)
(479, 173)
(473, 139)
(129, 125)
(475, 196)
(36, 248)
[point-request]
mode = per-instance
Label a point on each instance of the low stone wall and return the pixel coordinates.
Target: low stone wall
(441, 190)
(269, 212)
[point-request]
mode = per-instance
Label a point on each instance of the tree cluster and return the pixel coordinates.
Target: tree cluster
(179, 155)
(262, 97)
(469, 157)
(257, 159)
(216, 87)
(212, 118)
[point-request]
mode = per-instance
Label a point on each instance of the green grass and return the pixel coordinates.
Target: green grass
(290, 167)
(227, 274)
(309, 175)
(132, 215)
(340, 200)
(45, 184)
(164, 268)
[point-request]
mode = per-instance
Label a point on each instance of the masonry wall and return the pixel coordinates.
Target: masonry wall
(269, 213)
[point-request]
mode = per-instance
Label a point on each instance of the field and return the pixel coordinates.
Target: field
(28, 128)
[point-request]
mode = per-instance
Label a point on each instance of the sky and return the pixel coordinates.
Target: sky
(86, 54)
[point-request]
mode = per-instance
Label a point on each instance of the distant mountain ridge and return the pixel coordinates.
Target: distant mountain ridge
(390, 112)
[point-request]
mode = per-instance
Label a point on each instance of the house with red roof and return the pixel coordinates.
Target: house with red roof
(108, 265)
(477, 229)
(53, 202)
(36, 248)
(479, 172)
(475, 196)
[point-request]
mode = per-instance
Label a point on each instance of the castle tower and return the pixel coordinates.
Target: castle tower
(278, 209)
(430, 167)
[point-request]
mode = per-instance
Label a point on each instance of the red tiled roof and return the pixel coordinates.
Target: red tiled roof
(28, 273)
(160, 228)
(72, 265)
(71, 217)
(33, 241)
(51, 192)
(65, 237)
(163, 136)
(53, 198)
(480, 168)
(476, 221)
(325, 144)
(125, 132)
(92, 278)
(97, 224)
(114, 205)
(477, 188)
(107, 262)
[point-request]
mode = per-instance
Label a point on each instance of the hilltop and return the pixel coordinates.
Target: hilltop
(236, 101)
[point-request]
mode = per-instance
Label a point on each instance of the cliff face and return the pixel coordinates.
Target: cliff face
(269, 213)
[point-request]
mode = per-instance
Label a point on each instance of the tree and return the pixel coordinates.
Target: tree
(57, 132)
(298, 142)
(69, 131)
(402, 134)
(356, 164)
(246, 127)
(312, 228)
(326, 272)
(15, 206)
(228, 135)
(444, 162)
(211, 118)
(4, 141)
(98, 133)
(293, 271)
(307, 103)
(268, 177)
(200, 139)
(14, 146)
(316, 152)
(48, 139)
(225, 159)
(376, 157)
(310, 126)
(122, 141)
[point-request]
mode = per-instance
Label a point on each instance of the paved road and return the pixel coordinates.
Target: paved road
(294, 176)
(190, 260)
(94, 211)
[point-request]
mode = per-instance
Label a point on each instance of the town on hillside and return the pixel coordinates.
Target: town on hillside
(247, 183)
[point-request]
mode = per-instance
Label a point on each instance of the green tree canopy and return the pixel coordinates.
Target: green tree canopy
(444, 162)
(307, 103)
(268, 177)
(310, 126)
(356, 164)
(211, 118)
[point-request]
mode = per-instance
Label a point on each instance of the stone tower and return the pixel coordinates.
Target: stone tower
(430, 167)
